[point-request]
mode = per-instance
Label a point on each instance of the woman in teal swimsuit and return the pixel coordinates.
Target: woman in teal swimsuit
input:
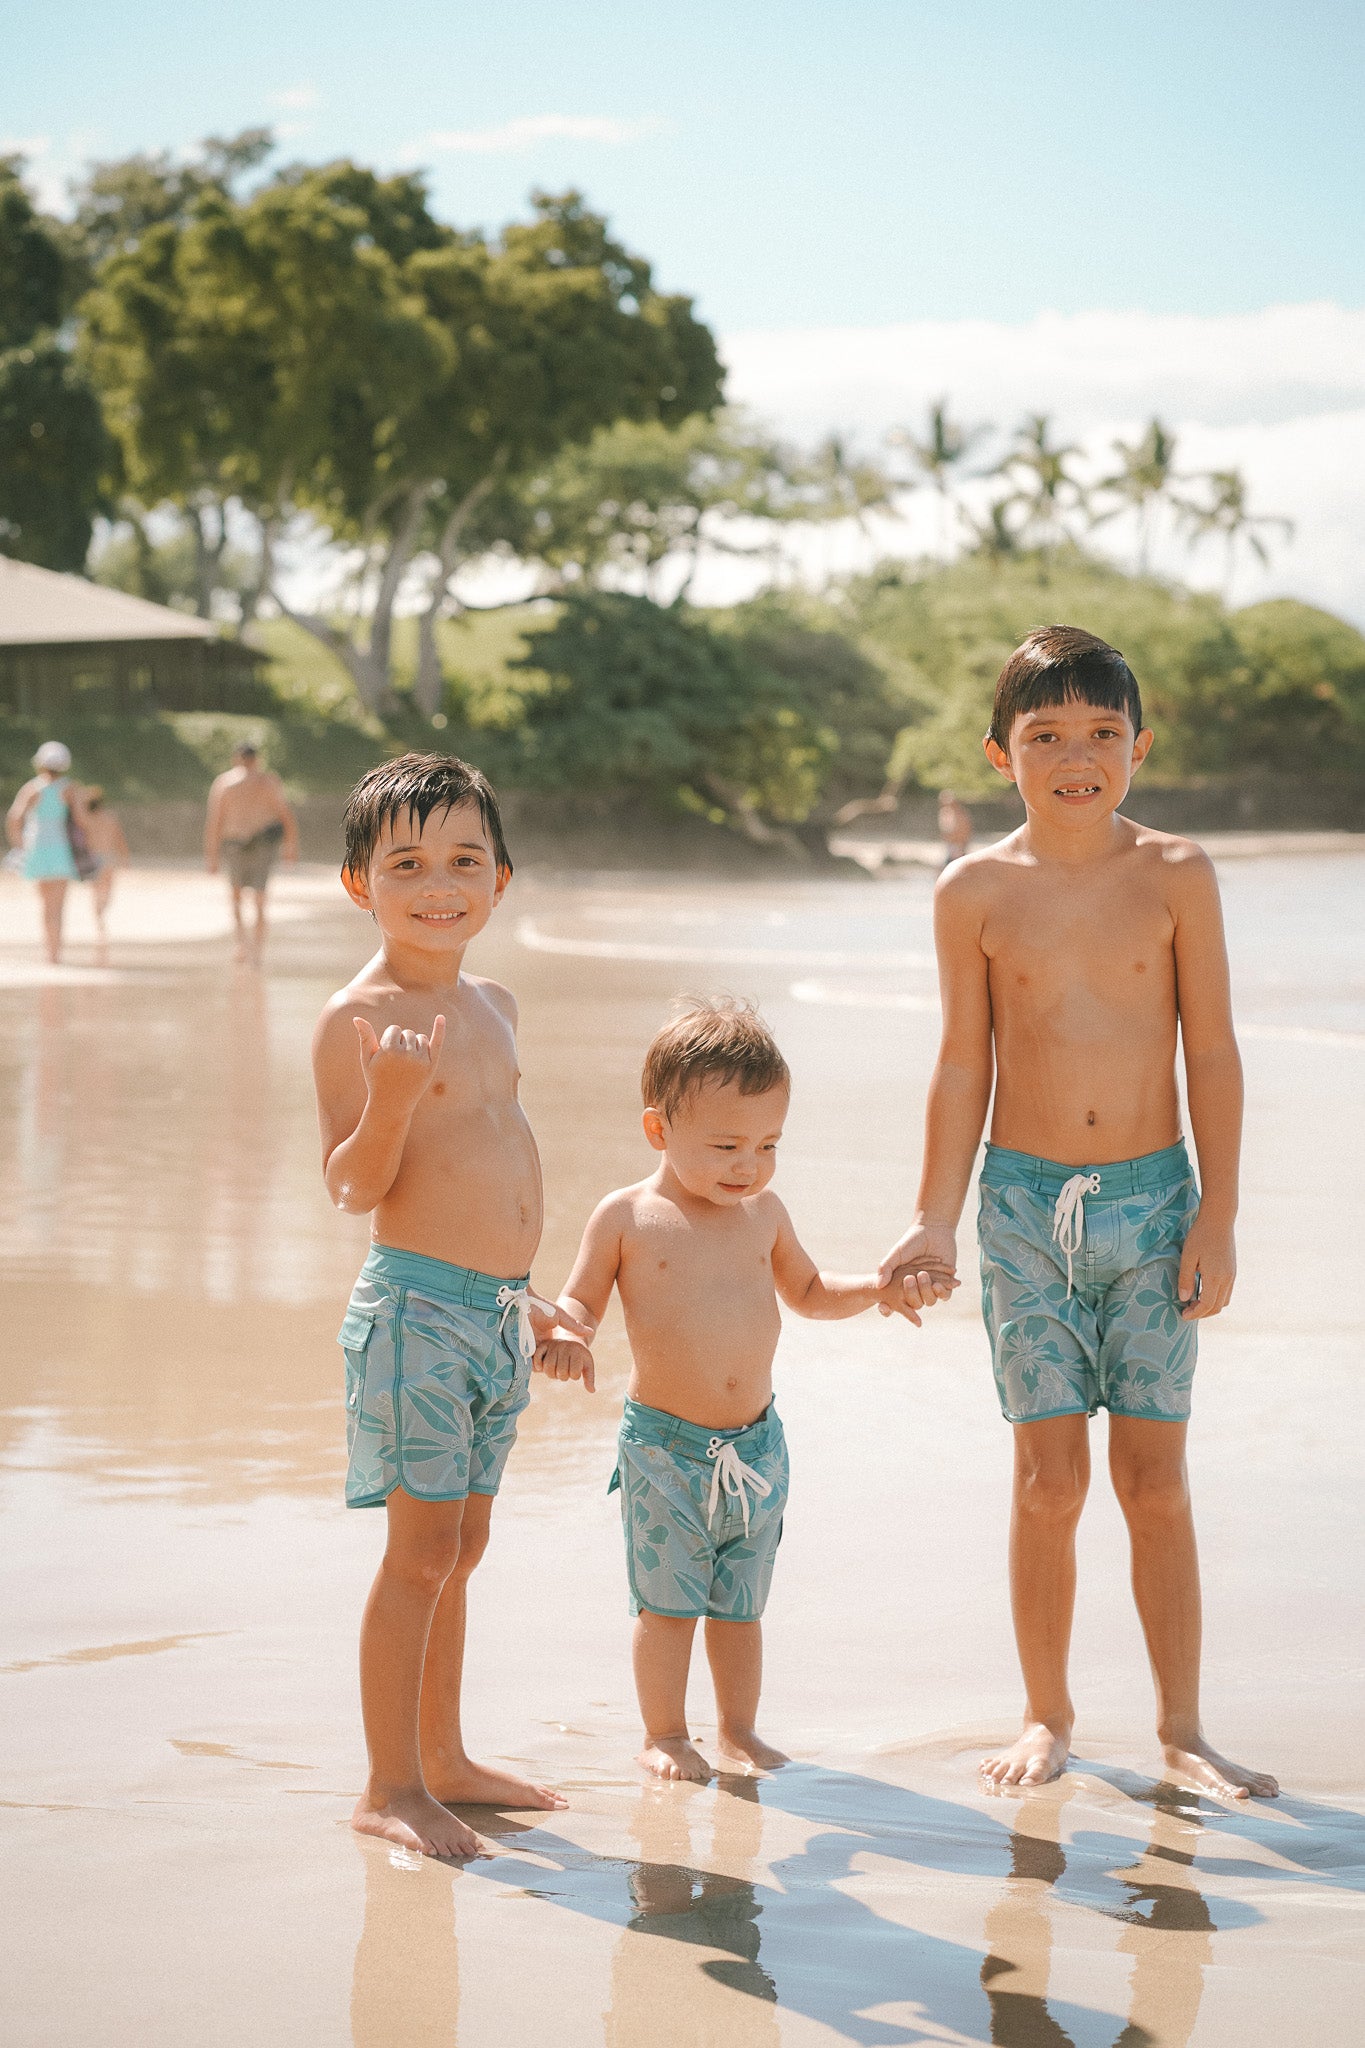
(39, 820)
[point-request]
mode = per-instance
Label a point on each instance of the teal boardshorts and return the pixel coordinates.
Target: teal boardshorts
(702, 1512)
(438, 1368)
(1098, 1325)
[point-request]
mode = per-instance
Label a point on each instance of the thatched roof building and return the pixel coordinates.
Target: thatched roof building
(66, 644)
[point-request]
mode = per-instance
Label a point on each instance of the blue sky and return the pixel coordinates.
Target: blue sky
(1088, 207)
(853, 162)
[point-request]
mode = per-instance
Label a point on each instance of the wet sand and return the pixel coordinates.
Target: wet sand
(182, 1585)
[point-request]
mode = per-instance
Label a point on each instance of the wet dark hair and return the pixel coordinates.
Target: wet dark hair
(1062, 665)
(416, 785)
(247, 749)
(711, 1038)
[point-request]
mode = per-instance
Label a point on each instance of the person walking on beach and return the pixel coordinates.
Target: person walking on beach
(1071, 954)
(415, 1064)
(108, 849)
(249, 824)
(954, 827)
(47, 820)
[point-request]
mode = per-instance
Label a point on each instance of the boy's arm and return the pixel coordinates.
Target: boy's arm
(587, 1290)
(583, 1300)
(366, 1096)
(828, 1297)
(960, 1090)
(1213, 1085)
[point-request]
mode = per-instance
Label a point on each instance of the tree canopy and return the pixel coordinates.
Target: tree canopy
(55, 456)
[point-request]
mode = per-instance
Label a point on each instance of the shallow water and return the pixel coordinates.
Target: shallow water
(182, 1585)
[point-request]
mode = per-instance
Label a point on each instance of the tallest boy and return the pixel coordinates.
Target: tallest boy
(1069, 956)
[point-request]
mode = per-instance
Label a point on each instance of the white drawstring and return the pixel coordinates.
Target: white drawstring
(731, 1471)
(523, 1301)
(1068, 1218)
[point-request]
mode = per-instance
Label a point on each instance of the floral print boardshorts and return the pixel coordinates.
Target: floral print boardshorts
(438, 1369)
(1078, 1284)
(702, 1511)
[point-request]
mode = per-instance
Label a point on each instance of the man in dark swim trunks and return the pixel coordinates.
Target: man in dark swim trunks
(249, 824)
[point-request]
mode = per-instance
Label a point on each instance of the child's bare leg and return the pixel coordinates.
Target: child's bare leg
(661, 1651)
(238, 924)
(423, 1544)
(735, 1651)
(449, 1773)
(1051, 1475)
(53, 896)
(1147, 1463)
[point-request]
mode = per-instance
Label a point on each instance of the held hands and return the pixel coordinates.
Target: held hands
(1208, 1267)
(919, 1271)
(561, 1350)
(400, 1066)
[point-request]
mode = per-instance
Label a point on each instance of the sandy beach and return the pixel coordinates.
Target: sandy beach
(182, 1583)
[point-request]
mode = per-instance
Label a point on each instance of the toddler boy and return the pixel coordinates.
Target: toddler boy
(700, 1253)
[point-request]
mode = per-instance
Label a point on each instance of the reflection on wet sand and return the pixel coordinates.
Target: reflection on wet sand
(406, 1984)
(1168, 1977)
(709, 1908)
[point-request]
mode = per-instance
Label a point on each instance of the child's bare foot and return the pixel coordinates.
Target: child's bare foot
(414, 1820)
(468, 1784)
(1036, 1758)
(746, 1747)
(1200, 1768)
(673, 1756)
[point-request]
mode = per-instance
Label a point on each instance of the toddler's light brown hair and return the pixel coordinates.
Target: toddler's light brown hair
(711, 1038)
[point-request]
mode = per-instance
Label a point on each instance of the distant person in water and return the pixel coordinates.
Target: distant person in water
(47, 820)
(700, 1254)
(108, 849)
(1073, 957)
(415, 1063)
(954, 827)
(249, 825)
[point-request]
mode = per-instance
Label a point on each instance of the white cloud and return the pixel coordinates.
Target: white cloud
(46, 168)
(295, 99)
(1279, 394)
(530, 129)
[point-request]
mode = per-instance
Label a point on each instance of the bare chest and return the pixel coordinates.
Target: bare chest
(672, 1266)
(1053, 941)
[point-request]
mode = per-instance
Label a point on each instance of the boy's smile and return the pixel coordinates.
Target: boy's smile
(1071, 758)
(430, 886)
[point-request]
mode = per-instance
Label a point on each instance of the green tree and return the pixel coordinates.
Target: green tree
(55, 457)
(117, 203)
(1046, 491)
(937, 455)
(656, 700)
(643, 502)
(1225, 514)
(1144, 481)
(557, 331)
(265, 350)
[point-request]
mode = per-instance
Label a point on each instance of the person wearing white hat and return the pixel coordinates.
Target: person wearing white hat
(47, 819)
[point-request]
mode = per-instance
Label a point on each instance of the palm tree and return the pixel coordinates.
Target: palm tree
(937, 453)
(1045, 490)
(993, 536)
(1226, 513)
(1142, 482)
